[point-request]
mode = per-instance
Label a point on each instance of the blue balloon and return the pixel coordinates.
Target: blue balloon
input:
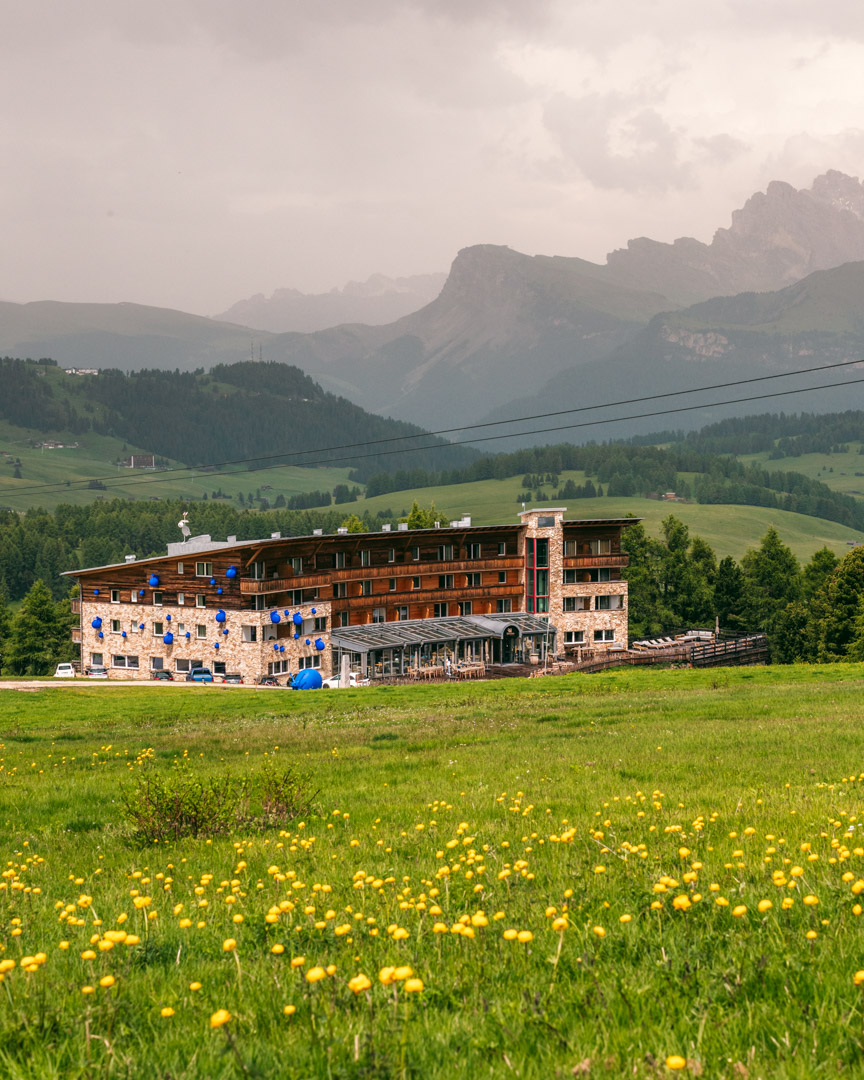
(275, 648)
(168, 617)
(296, 636)
(96, 623)
(140, 592)
(313, 611)
(319, 644)
(281, 648)
(153, 581)
(140, 625)
(287, 613)
(212, 580)
(123, 634)
(188, 635)
(308, 642)
(231, 572)
(219, 591)
(168, 638)
(101, 634)
(307, 679)
(275, 617)
(298, 619)
(220, 615)
(95, 592)
(225, 631)
(216, 645)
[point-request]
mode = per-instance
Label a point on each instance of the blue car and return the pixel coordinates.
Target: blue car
(200, 674)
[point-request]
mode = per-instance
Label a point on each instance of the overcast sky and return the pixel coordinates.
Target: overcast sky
(189, 153)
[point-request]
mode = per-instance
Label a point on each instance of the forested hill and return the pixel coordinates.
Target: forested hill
(234, 411)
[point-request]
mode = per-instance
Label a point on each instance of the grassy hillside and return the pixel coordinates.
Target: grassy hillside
(618, 875)
(841, 472)
(730, 530)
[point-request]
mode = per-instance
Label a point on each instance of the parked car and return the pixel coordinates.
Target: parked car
(232, 677)
(163, 676)
(65, 671)
(200, 674)
(268, 680)
(353, 680)
(97, 671)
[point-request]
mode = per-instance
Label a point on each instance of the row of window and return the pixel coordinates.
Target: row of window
(577, 637)
(183, 667)
(341, 560)
(601, 603)
(247, 633)
(158, 598)
(282, 667)
(439, 611)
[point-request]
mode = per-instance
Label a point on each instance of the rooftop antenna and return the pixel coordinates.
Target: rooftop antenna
(183, 526)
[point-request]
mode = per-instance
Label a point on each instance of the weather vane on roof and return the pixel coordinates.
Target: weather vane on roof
(183, 525)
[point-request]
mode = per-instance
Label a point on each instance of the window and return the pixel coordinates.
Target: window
(536, 575)
(296, 564)
(203, 569)
(180, 628)
(344, 618)
(201, 600)
(181, 599)
(340, 590)
(115, 596)
(546, 522)
(465, 607)
(502, 548)
(569, 549)
(445, 581)
(604, 635)
(402, 612)
(379, 614)
(184, 666)
(115, 626)
(577, 603)
(416, 583)
(608, 603)
(260, 603)
(339, 560)
(472, 551)
(439, 611)
(155, 663)
(125, 662)
(473, 581)
(279, 667)
(415, 554)
(391, 555)
(320, 623)
(201, 631)
(569, 577)
(309, 661)
(503, 606)
(257, 571)
(219, 667)
(96, 659)
(365, 588)
(179, 567)
(248, 633)
(158, 629)
(392, 584)
(502, 577)
(157, 599)
(366, 557)
(445, 552)
(574, 637)
(133, 596)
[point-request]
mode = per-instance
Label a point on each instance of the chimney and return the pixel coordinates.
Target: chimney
(130, 558)
(402, 526)
(317, 532)
(276, 536)
(385, 528)
(231, 540)
(342, 530)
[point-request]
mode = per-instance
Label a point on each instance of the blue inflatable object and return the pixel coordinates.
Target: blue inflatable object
(225, 631)
(275, 648)
(231, 572)
(287, 613)
(307, 679)
(96, 623)
(281, 648)
(153, 581)
(275, 617)
(212, 580)
(220, 615)
(188, 635)
(168, 617)
(140, 625)
(219, 591)
(297, 619)
(319, 644)
(216, 645)
(123, 634)
(168, 638)
(313, 611)
(95, 592)
(308, 642)
(140, 592)
(296, 636)
(101, 634)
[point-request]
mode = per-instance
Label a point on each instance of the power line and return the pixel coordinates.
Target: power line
(446, 431)
(507, 435)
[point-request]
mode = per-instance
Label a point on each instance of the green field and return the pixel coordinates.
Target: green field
(730, 530)
(836, 471)
(614, 875)
(95, 456)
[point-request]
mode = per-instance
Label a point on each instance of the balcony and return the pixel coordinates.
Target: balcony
(76, 635)
(428, 596)
(75, 607)
(594, 562)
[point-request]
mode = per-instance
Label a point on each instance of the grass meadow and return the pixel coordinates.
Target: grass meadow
(627, 874)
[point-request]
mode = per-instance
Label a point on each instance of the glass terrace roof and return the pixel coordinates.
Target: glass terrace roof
(361, 639)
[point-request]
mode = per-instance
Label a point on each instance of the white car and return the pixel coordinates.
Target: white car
(64, 671)
(353, 680)
(97, 671)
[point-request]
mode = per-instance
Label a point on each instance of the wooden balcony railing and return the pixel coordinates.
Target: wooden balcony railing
(594, 562)
(75, 607)
(76, 635)
(426, 596)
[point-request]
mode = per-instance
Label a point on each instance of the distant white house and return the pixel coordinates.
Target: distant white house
(81, 370)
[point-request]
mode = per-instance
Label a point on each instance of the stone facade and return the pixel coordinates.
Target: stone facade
(251, 659)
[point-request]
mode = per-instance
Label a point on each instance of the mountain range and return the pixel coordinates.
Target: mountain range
(512, 334)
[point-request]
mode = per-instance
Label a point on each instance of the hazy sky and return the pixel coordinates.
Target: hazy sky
(189, 153)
